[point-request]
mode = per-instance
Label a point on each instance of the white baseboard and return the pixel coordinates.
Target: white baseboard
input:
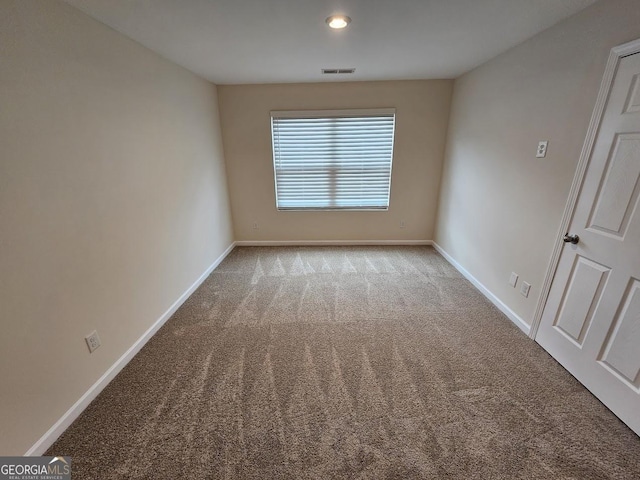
(294, 243)
(74, 412)
(520, 323)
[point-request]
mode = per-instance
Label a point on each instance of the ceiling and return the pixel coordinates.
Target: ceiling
(282, 41)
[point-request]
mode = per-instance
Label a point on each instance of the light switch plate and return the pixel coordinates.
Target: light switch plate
(524, 289)
(514, 279)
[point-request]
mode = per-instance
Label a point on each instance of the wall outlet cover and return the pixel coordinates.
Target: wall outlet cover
(93, 341)
(524, 289)
(542, 149)
(513, 279)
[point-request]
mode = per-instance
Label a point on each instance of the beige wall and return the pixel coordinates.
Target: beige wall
(500, 207)
(422, 109)
(112, 203)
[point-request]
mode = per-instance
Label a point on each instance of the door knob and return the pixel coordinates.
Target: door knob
(571, 238)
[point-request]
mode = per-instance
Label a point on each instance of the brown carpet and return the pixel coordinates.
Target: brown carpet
(344, 363)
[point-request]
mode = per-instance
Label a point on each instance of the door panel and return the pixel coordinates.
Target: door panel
(581, 297)
(633, 102)
(619, 193)
(622, 349)
(591, 321)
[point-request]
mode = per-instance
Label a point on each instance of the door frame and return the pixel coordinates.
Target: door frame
(616, 54)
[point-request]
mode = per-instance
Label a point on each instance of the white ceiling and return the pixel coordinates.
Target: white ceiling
(269, 41)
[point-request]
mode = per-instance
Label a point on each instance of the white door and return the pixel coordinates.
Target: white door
(591, 322)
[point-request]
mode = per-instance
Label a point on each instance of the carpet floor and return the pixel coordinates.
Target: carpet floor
(344, 363)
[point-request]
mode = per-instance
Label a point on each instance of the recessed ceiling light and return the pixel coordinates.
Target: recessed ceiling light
(338, 21)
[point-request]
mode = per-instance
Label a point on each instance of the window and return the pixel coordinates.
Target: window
(333, 159)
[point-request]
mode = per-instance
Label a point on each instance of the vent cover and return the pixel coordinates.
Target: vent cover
(337, 71)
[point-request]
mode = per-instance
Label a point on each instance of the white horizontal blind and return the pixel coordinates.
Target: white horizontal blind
(333, 160)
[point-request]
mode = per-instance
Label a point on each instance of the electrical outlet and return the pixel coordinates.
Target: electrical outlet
(255, 225)
(542, 149)
(402, 224)
(524, 289)
(514, 279)
(93, 341)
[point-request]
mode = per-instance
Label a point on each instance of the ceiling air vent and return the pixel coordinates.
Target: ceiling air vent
(337, 71)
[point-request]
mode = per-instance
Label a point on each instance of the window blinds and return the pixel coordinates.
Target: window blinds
(333, 160)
